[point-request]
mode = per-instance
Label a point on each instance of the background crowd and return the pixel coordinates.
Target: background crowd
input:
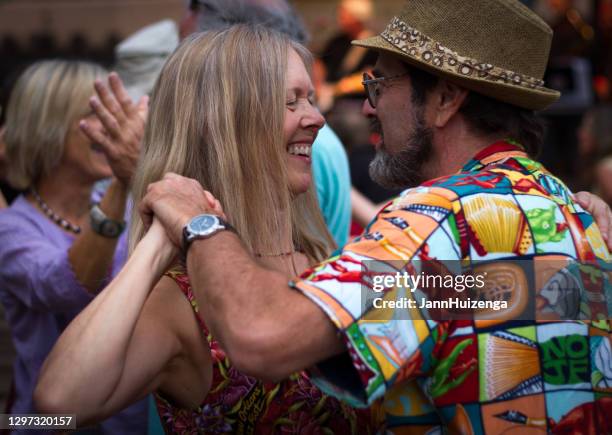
(578, 145)
(580, 66)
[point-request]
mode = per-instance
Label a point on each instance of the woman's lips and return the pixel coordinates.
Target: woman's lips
(303, 159)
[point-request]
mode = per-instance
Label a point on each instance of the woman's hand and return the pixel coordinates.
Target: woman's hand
(158, 242)
(123, 123)
(215, 204)
(601, 213)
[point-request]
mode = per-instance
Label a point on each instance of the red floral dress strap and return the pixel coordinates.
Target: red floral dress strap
(180, 277)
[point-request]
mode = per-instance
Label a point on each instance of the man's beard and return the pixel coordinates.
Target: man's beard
(404, 169)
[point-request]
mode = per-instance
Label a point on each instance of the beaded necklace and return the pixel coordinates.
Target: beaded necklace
(54, 216)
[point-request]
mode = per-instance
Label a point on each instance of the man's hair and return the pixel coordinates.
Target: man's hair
(46, 101)
(486, 115)
(219, 14)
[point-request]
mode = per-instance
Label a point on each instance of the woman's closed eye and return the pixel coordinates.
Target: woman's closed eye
(295, 102)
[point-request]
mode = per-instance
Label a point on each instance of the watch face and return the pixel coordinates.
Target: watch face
(203, 225)
(110, 228)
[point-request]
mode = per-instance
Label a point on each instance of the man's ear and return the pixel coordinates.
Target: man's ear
(449, 98)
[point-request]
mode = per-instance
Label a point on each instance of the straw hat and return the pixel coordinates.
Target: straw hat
(141, 56)
(498, 48)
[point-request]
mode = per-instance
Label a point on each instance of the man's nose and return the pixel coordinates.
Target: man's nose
(367, 110)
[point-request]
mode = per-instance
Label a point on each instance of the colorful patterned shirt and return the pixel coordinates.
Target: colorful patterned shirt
(240, 404)
(485, 374)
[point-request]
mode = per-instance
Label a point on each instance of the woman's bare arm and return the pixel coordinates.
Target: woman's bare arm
(116, 351)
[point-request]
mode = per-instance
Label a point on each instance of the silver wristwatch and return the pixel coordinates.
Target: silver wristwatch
(104, 226)
(202, 227)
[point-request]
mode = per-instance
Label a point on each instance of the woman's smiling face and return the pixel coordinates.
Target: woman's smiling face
(302, 123)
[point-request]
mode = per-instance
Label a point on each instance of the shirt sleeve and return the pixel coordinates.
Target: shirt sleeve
(38, 273)
(385, 346)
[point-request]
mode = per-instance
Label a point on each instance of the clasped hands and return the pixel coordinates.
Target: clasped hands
(174, 201)
(169, 204)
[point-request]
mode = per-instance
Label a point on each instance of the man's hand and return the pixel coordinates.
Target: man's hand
(123, 123)
(174, 201)
(601, 213)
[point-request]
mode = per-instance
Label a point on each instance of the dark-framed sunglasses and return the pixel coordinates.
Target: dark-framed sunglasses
(371, 85)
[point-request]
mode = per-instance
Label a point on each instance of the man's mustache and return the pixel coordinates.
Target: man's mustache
(375, 126)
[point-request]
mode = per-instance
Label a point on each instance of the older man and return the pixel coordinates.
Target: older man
(453, 96)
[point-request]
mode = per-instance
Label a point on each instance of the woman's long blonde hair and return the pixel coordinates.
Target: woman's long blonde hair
(217, 114)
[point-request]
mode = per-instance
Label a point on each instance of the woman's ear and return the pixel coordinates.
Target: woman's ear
(448, 99)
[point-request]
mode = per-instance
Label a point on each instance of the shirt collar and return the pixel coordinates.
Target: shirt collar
(495, 152)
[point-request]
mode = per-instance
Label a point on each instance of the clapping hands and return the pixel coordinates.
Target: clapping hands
(123, 123)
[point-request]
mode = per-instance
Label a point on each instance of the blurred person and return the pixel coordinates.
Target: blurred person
(342, 64)
(58, 249)
(202, 15)
(570, 72)
(462, 138)
(340, 58)
(572, 35)
(594, 142)
(248, 141)
(595, 148)
(141, 56)
(8, 192)
(603, 179)
(602, 53)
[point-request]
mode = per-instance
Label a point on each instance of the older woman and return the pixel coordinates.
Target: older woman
(58, 246)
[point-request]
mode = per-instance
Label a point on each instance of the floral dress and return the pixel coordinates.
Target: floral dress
(240, 404)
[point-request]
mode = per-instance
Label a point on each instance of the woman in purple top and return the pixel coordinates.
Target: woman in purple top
(57, 248)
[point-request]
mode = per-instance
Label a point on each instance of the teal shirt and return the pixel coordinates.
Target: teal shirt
(333, 182)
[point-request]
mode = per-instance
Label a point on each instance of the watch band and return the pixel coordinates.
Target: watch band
(104, 226)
